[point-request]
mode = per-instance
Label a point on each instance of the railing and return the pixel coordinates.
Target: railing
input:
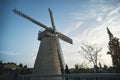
(81, 76)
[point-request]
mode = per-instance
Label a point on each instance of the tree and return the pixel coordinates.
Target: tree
(76, 66)
(66, 69)
(1, 67)
(91, 53)
(25, 66)
(114, 50)
(21, 65)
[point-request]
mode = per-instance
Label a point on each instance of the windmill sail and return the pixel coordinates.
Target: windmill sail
(65, 38)
(29, 18)
(60, 54)
(59, 51)
(52, 20)
(49, 58)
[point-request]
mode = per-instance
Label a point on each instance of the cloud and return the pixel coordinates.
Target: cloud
(73, 27)
(107, 2)
(94, 34)
(99, 18)
(114, 12)
(8, 52)
(86, 14)
(99, 34)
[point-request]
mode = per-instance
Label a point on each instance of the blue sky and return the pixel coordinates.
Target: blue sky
(82, 20)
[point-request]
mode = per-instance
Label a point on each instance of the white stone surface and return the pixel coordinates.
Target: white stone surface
(47, 60)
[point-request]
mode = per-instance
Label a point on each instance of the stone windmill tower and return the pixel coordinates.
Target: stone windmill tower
(49, 58)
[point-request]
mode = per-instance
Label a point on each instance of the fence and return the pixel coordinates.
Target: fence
(81, 76)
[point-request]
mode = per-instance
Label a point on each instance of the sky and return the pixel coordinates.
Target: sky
(81, 20)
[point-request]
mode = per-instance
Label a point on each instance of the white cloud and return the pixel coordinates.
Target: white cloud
(99, 34)
(94, 35)
(86, 14)
(73, 27)
(99, 18)
(113, 12)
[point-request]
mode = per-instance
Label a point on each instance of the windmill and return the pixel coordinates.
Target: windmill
(49, 58)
